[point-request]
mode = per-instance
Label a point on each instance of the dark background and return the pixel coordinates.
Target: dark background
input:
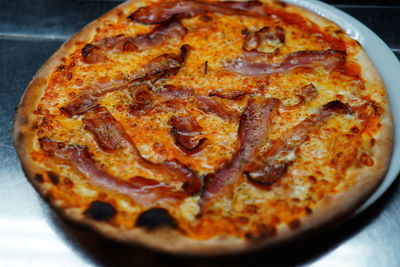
(31, 30)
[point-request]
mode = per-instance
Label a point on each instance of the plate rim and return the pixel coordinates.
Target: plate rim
(379, 52)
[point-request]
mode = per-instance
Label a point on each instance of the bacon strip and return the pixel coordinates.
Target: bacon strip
(143, 191)
(142, 100)
(159, 67)
(232, 95)
(108, 132)
(111, 136)
(187, 134)
(266, 40)
(163, 11)
(170, 30)
(253, 128)
(308, 92)
(329, 59)
(92, 54)
(273, 163)
(211, 106)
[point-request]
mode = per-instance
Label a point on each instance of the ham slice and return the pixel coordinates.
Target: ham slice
(328, 59)
(159, 12)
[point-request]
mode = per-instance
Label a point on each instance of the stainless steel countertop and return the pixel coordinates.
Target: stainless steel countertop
(31, 234)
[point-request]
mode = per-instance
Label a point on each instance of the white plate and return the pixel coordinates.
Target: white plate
(389, 68)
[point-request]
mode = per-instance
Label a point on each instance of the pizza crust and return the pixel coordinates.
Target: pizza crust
(330, 211)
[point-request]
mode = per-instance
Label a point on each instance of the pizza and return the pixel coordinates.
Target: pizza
(198, 127)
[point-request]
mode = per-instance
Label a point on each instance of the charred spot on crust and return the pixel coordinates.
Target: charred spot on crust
(294, 224)
(39, 178)
(100, 211)
(155, 218)
(308, 210)
(20, 137)
(23, 120)
(263, 232)
(53, 178)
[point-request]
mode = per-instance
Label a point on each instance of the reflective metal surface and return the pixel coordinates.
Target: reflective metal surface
(33, 235)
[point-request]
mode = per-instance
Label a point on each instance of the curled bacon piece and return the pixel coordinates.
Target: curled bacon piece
(107, 131)
(253, 128)
(164, 65)
(142, 100)
(329, 59)
(91, 54)
(308, 92)
(160, 12)
(143, 191)
(192, 183)
(273, 164)
(211, 106)
(169, 30)
(266, 40)
(187, 134)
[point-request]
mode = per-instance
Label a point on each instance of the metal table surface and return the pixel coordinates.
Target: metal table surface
(31, 234)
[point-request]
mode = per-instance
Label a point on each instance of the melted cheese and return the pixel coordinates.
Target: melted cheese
(214, 42)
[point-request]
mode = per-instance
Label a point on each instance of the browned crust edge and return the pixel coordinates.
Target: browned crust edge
(332, 209)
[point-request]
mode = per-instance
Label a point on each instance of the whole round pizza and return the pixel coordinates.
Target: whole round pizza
(202, 127)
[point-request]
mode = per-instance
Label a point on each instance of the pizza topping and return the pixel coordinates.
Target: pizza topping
(179, 172)
(107, 131)
(172, 91)
(211, 106)
(163, 11)
(163, 66)
(100, 211)
(266, 40)
(273, 164)
(253, 128)
(141, 190)
(329, 59)
(111, 136)
(91, 54)
(88, 100)
(232, 95)
(187, 134)
(308, 92)
(155, 218)
(158, 68)
(169, 30)
(142, 100)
